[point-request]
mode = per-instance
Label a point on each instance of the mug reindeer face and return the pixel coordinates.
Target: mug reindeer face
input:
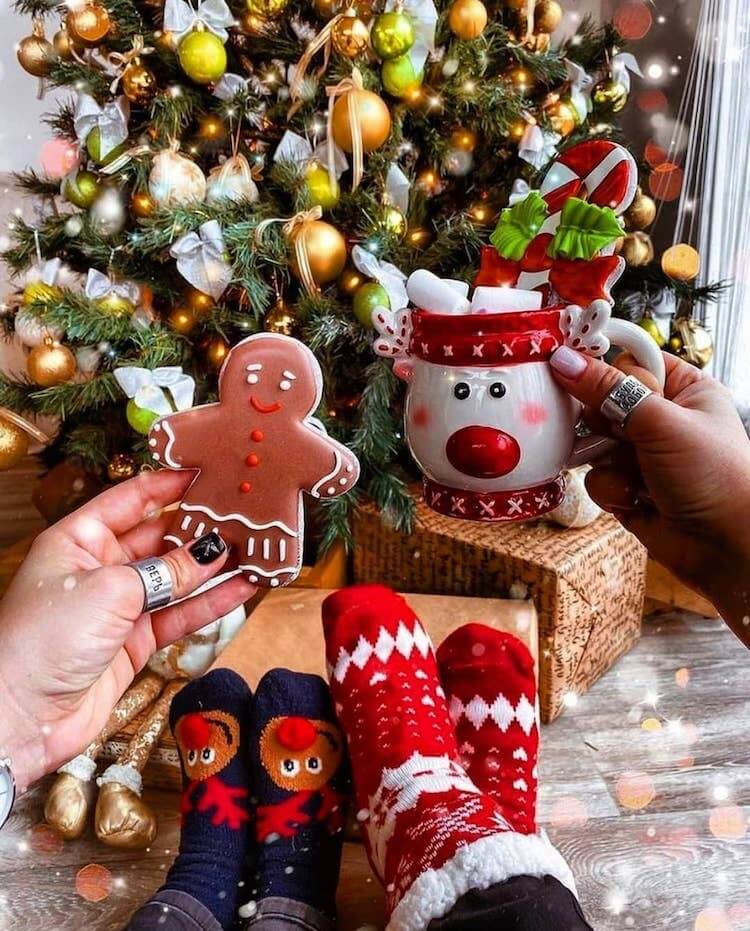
(300, 753)
(488, 428)
(272, 376)
(207, 742)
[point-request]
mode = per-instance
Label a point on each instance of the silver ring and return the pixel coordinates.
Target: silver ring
(156, 578)
(623, 399)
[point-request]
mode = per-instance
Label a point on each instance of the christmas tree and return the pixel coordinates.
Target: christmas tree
(278, 165)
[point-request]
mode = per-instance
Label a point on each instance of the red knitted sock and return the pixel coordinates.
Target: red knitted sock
(431, 834)
(488, 676)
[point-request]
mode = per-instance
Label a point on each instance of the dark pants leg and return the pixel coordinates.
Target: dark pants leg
(173, 910)
(524, 903)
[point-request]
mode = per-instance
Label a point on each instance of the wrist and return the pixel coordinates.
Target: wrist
(21, 740)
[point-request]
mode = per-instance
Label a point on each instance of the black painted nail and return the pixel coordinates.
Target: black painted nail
(207, 548)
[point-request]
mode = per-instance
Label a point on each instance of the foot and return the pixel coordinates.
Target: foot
(299, 775)
(431, 834)
(209, 719)
(488, 677)
(123, 819)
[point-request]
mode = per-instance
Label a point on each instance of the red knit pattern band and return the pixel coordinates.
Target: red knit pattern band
(491, 506)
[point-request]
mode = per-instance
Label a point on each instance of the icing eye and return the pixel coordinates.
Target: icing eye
(497, 389)
(461, 391)
(192, 756)
(208, 755)
(289, 767)
(253, 379)
(314, 764)
(285, 385)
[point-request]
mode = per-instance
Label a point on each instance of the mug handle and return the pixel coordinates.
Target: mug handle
(648, 355)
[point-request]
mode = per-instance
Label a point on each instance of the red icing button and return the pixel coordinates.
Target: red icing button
(245, 487)
(252, 459)
(256, 436)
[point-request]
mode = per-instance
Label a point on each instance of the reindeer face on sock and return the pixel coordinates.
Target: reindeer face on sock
(207, 742)
(301, 753)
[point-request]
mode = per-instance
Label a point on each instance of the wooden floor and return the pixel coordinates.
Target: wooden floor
(645, 789)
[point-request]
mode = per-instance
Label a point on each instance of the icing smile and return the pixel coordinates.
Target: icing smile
(262, 408)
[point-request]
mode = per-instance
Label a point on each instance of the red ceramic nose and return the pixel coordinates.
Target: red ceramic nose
(296, 734)
(482, 452)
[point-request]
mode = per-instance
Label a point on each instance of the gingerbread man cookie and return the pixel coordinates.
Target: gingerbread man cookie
(256, 450)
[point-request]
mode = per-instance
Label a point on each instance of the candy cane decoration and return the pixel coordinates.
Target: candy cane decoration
(602, 172)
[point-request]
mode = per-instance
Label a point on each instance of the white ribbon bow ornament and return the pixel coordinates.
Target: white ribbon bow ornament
(201, 259)
(229, 85)
(397, 188)
(296, 149)
(581, 85)
(386, 274)
(111, 120)
(538, 146)
(180, 18)
(99, 285)
(146, 387)
(622, 65)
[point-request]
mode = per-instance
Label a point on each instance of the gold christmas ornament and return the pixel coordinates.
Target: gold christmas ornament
(50, 364)
(394, 221)
(88, 24)
(81, 189)
(182, 320)
(637, 249)
(650, 325)
(216, 351)
(267, 9)
(522, 79)
(349, 280)
(139, 83)
(372, 114)
(202, 56)
(692, 342)
(325, 249)
(322, 189)
(392, 34)
(563, 116)
(467, 18)
(142, 205)
(548, 15)
(610, 94)
(37, 292)
(681, 262)
(350, 36)
(517, 5)
(279, 319)
(63, 43)
(36, 55)
(120, 467)
(14, 443)
(641, 213)
(115, 305)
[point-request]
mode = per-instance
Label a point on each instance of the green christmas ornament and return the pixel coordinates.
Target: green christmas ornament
(366, 298)
(140, 418)
(202, 56)
(392, 34)
(81, 189)
(399, 77)
(94, 148)
(323, 192)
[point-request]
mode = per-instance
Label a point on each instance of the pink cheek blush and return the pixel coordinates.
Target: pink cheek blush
(534, 414)
(420, 417)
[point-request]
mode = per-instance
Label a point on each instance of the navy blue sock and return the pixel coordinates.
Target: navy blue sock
(300, 778)
(209, 719)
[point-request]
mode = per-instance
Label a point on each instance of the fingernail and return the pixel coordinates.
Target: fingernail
(568, 362)
(207, 548)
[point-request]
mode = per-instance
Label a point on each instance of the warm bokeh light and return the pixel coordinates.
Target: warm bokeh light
(682, 677)
(727, 822)
(665, 181)
(58, 157)
(94, 882)
(632, 19)
(652, 101)
(654, 153)
(45, 841)
(651, 724)
(569, 812)
(713, 919)
(635, 790)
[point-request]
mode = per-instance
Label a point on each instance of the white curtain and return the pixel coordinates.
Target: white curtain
(714, 210)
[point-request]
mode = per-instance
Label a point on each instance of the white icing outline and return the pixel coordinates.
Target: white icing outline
(167, 449)
(326, 478)
(268, 573)
(239, 517)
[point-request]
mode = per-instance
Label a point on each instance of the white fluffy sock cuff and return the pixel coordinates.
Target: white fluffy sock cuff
(480, 865)
(125, 775)
(81, 766)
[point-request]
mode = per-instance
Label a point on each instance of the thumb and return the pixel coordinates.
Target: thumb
(189, 566)
(591, 380)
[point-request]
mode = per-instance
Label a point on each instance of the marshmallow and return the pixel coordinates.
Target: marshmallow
(428, 292)
(502, 300)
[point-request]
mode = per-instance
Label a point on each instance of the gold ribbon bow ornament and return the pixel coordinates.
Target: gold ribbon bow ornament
(319, 249)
